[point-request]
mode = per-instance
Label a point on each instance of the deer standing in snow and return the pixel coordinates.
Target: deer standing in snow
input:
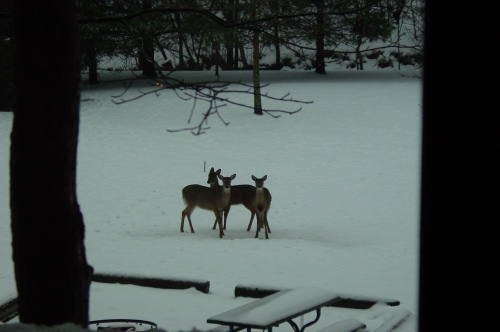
(262, 204)
(213, 198)
(240, 194)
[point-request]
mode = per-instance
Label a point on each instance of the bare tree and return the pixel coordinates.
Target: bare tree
(216, 94)
(252, 27)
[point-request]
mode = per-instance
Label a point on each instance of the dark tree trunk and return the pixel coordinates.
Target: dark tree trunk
(236, 55)
(277, 55)
(243, 57)
(256, 62)
(148, 48)
(180, 38)
(320, 37)
(51, 270)
(236, 41)
(229, 55)
(181, 53)
(148, 55)
(92, 61)
(359, 55)
(256, 75)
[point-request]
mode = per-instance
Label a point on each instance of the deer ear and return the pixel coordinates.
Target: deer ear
(211, 170)
(218, 172)
(254, 178)
(233, 176)
(264, 178)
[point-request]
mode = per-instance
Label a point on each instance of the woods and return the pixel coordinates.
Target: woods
(156, 36)
(181, 34)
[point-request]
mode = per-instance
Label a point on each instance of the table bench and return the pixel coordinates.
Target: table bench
(351, 301)
(272, 310)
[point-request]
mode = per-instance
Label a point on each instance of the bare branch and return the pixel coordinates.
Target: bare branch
(211, 92)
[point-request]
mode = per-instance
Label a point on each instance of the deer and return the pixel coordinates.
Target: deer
(240, 194)
(262, 204)
(213, 198)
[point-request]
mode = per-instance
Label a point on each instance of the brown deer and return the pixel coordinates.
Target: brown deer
(262, 204)
(214, 198)
(240, 194)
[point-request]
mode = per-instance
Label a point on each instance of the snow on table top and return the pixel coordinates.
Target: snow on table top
(276, 308)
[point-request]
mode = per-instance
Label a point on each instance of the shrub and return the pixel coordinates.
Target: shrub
(385, 62)
(374, 55)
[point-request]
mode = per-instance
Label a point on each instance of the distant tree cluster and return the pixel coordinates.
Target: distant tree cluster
(159, 35)
(196, 35)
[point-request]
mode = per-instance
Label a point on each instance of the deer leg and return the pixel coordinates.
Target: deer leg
(218, 218)
(258, 223)
(267, 224)
(190, 224)
(183, 215)
(187, 212)
(226, 212)
(251, 221)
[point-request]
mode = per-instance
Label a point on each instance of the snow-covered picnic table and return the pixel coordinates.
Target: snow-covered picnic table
(278, 308)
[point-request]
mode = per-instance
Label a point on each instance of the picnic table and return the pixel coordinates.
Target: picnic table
(272, 310)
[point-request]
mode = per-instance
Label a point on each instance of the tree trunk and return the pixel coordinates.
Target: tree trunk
(359, 57)
(257, 100)
(230, 37)
(236, 40)
(277, 49)
(243, 57)
(148, 54)
(320, 37)
(236, 55)
(92, 61)
(51, 270)
(229, 54)
(148, 47)
(178, 24)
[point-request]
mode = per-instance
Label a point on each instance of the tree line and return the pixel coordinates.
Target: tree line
(166, 35)
(196, 35)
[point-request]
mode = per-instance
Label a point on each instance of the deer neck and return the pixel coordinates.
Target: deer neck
(259, 194)
(225, 195)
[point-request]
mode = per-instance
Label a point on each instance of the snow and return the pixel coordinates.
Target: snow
(343, 173)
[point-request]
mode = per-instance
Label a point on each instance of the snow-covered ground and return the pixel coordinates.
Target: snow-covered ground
(343, 173)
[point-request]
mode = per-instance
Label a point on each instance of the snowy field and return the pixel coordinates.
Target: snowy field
(343, 173)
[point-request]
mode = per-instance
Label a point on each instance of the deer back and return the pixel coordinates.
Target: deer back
(204, 197)
(242, 193)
